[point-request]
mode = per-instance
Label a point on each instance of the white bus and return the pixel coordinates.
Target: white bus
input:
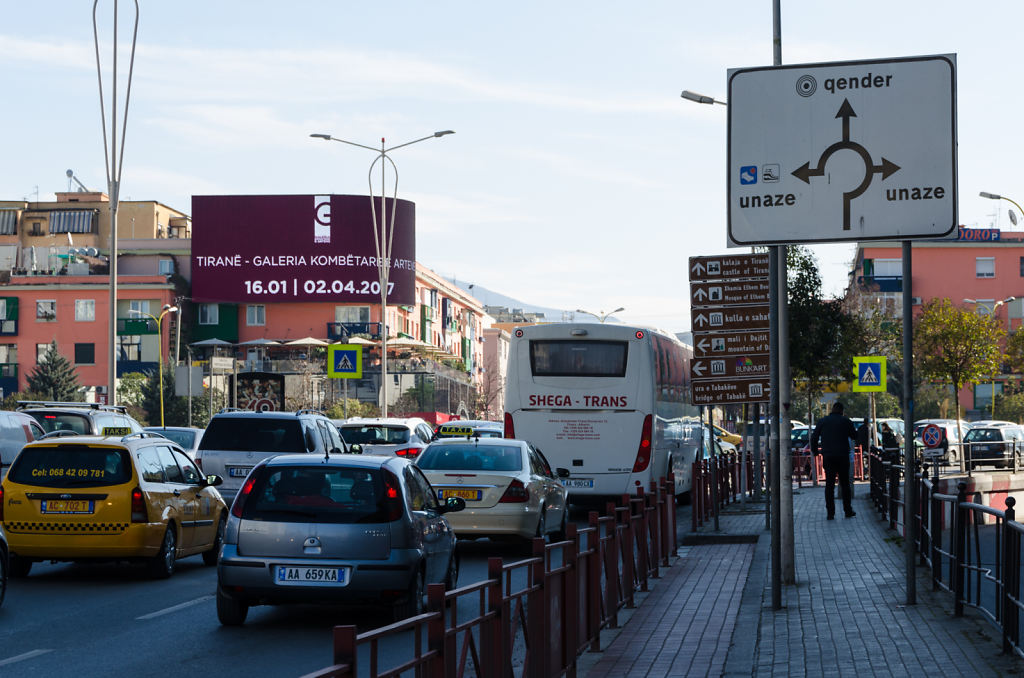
(607, 402)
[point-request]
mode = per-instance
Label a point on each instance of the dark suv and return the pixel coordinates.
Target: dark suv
(78, 418)
(236, 440)
(994, 444)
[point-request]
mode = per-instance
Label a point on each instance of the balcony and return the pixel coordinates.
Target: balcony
(341, 331)
(881, 283)
(135, 326)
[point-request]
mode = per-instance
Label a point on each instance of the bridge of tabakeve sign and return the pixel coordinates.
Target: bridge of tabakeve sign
(730, 391)
(842, 151)
(345, 361)
(869, 373)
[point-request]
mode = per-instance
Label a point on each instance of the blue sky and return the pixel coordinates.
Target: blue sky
(577, 177)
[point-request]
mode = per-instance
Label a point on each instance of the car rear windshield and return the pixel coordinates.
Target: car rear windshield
(477, 432)
(63, 421)
(571, 358)
(71, 466)
(183, 438)
(979, 435)
(253, 434)
(501, 458)
(317, 494)
(373, 434)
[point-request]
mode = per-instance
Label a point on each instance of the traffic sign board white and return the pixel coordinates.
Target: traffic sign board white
(843, 151)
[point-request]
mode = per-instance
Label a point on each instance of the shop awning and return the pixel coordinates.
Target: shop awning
(71, 221)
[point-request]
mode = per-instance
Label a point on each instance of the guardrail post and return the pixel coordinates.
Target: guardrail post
(437, 640)
(345, 649)
(495, 642)
(960, 549)
(538, 614)
(594, 582)
(611, 568)
(571, 609)
(643, 540)
(894, 496)
(1011, 575)
(629, 577)
(923, 532)
(935, 513)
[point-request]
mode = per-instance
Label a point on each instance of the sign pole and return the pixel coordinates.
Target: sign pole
(909, 454)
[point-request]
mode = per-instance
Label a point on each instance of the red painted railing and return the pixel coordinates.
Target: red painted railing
(574, 589)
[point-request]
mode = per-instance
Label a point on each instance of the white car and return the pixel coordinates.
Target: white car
(389, 436)
(187, 438)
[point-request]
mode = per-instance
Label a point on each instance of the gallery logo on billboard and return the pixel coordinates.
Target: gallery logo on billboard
(322, 218)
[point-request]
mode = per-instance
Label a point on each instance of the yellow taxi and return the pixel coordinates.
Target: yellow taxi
(115, 496)
(727, 436)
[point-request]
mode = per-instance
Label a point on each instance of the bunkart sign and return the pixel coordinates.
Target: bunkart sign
(274, 248)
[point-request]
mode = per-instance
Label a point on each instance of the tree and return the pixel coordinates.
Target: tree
(175, 407)
(823, 336)
(955, 346)
(55, 377)
(356, 408)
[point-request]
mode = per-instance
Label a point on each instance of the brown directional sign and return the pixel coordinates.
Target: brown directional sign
(736, 366)
(721, 344)
(729, 266)
(729, 292)
(734, 318)
(730, 391)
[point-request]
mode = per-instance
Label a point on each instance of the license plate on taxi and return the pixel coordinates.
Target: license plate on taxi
(468, 495)
(578, 482)
(66, 506)
(293, 575)
(238, 471)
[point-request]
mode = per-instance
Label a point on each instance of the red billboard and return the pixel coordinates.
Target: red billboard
(273, 248)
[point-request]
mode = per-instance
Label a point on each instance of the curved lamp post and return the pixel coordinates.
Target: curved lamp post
(700, 98)
(160, 353)
(993, 310)
(382, 237)
(996, 196)
(602, 316)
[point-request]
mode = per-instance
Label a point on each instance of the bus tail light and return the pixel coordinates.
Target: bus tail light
(243, 494)
(510, 430)
(643, 454)
(138, 507)
(516, 493)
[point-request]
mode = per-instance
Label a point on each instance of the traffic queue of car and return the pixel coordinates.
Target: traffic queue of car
(276, 500)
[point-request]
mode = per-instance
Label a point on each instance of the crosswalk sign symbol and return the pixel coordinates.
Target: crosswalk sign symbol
(870, 373)
(345, 361)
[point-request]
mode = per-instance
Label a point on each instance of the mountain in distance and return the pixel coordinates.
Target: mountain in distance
(490, 298)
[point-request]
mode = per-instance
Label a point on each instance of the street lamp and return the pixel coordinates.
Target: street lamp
(382, 240)
(992, 311)
(160, 350)
(700, 98)
(602, 316)
(995, 196)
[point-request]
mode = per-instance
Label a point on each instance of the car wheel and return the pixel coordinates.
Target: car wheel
(230, 611)
(210, 557)
(413, 603)
(19, 567)
(563, 528)
(451, 579)
(162, 565)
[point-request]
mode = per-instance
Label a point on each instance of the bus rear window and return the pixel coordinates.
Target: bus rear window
(574, 358)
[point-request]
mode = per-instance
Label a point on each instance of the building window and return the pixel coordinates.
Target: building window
(351, 314)
(41, 350)
(85, 354)
(139, 305)
(209, 314)
(46, 309)
(888, 268)
(1022, 267)
(8, 353)
(85, 310)
(130, 347)
(985, 267)
(255, 314)
(166, 267)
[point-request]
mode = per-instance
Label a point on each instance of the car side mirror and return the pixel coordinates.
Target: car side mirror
(335, 450)
(355, 448)
(453, 504)
(213, 481)
(562, 472)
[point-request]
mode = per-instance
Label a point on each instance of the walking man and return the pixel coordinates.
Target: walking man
(831, 439)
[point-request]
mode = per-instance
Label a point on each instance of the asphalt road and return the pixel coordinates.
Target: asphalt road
(110, 619)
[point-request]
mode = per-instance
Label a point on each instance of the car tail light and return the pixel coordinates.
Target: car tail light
(138, 507)
(516, 493)
(243, 494)
(643, 453)
(510, 430)
(392, 496)
(408, 452)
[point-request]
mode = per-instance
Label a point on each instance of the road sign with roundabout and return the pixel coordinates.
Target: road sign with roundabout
(843, 151)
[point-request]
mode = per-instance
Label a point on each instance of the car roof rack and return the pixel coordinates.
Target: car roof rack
(224, 410)
(309, 410)
(143, 434)
(26, 404)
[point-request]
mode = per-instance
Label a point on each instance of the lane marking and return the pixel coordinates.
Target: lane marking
(23, 657)
(174, 608)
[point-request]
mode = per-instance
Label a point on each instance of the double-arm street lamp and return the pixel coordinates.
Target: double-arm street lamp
(992, 311)
(602, 316)
(382, 239)
(160, 349)
(996, 196)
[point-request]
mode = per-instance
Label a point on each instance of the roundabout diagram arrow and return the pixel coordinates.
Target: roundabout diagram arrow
(886, 168)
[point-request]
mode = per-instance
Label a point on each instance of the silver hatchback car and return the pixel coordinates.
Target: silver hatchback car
(346, 529)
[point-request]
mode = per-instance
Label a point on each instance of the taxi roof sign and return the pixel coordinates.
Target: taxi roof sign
(116, 431)
(869, 374)
(457, 430)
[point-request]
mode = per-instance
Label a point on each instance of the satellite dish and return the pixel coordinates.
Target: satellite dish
(70, 173)
(92, 251)
(1013, 217)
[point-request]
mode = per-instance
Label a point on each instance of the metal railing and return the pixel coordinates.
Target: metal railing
(573, 590)
(718, 482)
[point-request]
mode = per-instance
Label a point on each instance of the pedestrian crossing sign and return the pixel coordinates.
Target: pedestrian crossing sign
(870, 373)
(345, 361)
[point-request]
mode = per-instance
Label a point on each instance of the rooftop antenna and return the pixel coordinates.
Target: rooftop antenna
(71, 177)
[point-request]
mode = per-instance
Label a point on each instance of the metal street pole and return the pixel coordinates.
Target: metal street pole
(160, 348)
(113, 159)
(909, 453)
(383, 239)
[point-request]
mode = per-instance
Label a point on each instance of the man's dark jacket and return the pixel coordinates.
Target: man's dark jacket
(832, 435)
